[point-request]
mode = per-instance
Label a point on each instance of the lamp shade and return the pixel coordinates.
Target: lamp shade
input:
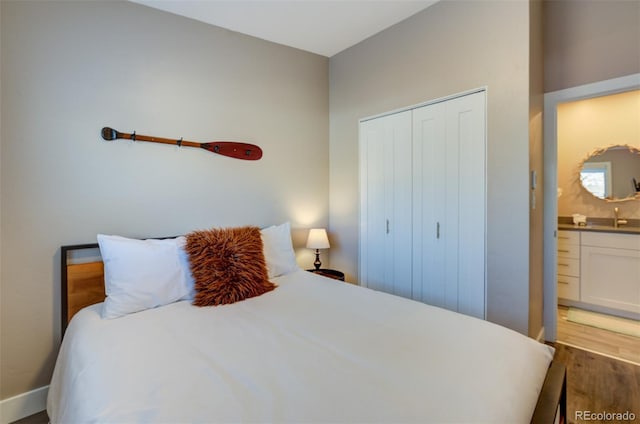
(318, 239)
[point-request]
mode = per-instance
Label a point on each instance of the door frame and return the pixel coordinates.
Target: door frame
(551, 102)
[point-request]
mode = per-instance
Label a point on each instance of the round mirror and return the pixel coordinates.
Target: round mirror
(612, 173)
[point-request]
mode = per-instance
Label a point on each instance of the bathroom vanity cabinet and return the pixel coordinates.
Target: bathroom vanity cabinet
(599, 268)
(569, 265)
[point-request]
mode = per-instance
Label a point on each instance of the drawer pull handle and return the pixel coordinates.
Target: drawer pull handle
(563, 282)
(563, 251)
(563, 264)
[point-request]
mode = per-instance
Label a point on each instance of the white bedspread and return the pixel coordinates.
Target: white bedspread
(314, 350)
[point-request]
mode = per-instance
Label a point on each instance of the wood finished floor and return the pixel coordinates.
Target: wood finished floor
(599, 384)
(597, 340)
(39, 418)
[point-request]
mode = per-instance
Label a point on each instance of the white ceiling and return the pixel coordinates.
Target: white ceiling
(325, 27)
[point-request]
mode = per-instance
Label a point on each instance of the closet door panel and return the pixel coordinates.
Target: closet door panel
(448, 204)
(451, 199)
(466, 129)
(385, 246)
(429, 283)
(372, 213)
(399, 197)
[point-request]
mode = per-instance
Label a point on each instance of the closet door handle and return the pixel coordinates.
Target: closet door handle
(387, 226)
(437, 230)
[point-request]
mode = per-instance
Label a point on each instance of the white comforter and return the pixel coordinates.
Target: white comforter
(314, 350)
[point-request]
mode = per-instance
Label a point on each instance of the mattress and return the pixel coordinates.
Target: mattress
(313, 350)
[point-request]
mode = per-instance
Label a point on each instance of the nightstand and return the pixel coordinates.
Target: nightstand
(331, 273)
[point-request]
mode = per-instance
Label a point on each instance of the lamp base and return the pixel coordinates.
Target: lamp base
(317, 262)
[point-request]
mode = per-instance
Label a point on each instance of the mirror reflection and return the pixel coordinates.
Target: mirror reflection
(612, 173)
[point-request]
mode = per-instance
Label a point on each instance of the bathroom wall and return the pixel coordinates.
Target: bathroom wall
(584, 126)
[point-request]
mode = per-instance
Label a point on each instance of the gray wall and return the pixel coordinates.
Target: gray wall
(70, 68)
(450, 47)
(589, 41)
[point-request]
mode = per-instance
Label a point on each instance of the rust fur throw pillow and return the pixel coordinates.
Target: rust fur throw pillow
(228, 265)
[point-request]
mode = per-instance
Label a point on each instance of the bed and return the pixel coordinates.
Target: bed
(314, 350)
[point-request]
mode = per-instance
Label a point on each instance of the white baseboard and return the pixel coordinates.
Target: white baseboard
(23, 405)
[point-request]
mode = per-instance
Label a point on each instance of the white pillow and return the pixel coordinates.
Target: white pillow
(181, 242)
(278, 250)
(143, 274)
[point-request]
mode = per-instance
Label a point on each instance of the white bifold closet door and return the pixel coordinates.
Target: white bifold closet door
(449, 204)
(422, 209)
(386, 204)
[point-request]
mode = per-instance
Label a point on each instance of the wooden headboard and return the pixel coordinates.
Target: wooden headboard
(82, 283)
(82, 278)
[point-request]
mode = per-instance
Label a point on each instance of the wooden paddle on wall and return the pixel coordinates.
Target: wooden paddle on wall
(232, 149)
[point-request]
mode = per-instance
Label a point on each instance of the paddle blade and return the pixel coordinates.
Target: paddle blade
(109, 133)
(244, 151)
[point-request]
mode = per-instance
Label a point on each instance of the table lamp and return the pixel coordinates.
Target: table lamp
(317, 240)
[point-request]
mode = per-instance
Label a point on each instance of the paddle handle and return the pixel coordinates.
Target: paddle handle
(111, 134)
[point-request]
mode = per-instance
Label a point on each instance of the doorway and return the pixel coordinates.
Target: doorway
(551, 102)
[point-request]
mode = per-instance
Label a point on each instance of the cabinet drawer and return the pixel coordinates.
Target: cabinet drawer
(571, 251)
(614, 241)
(569, 287)
(568, 237)
(569, 267)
